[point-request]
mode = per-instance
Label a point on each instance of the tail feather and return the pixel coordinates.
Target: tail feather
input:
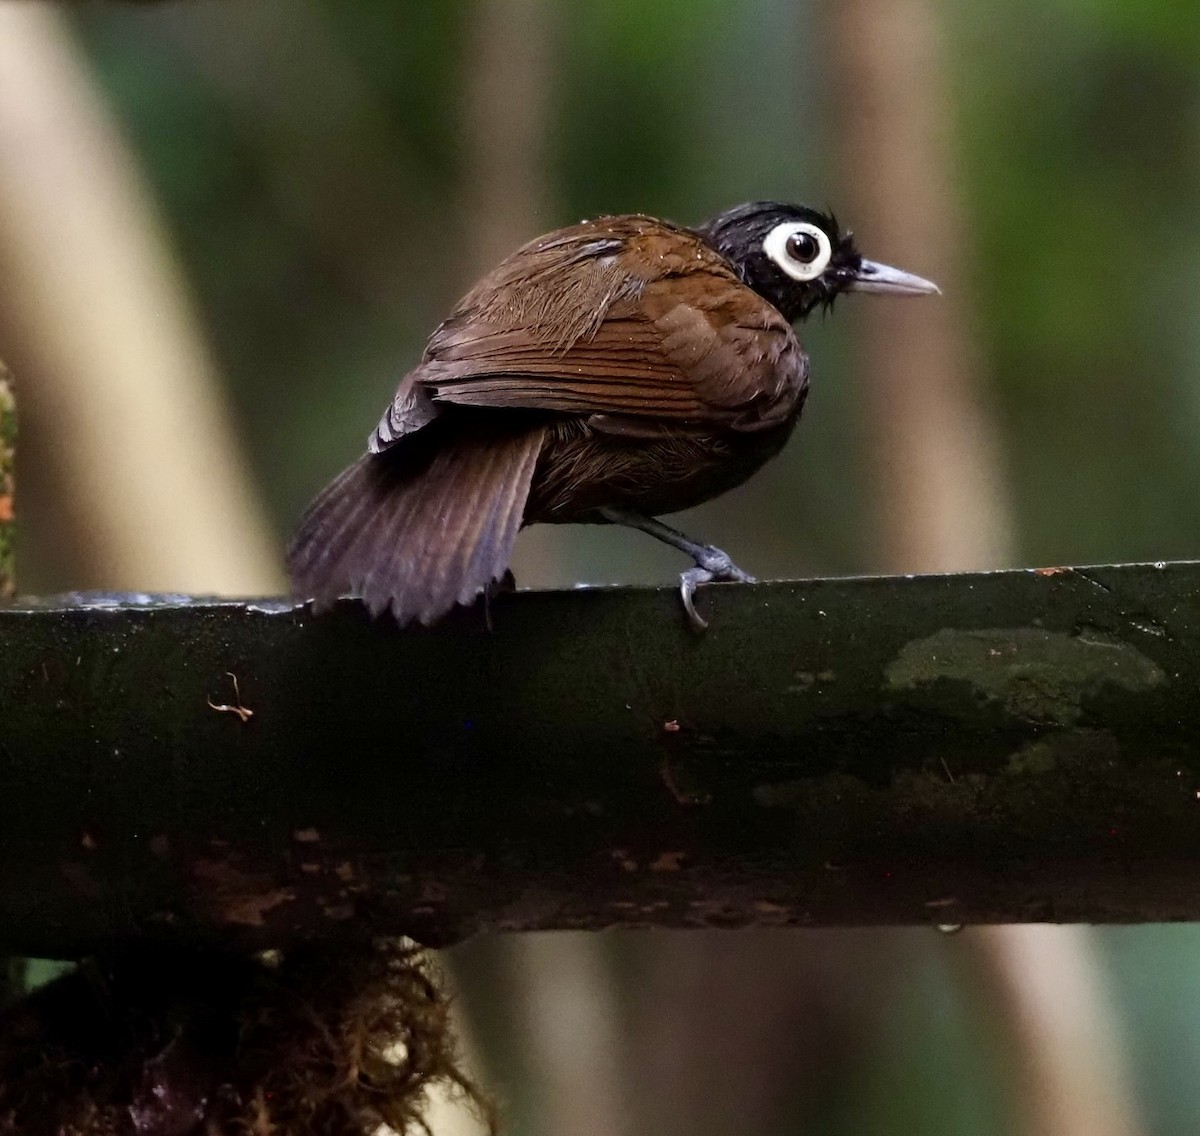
(438, 534)
(344, 509)
(425, 525)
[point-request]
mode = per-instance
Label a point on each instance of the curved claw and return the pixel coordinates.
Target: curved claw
(688, 582)
(712, 565)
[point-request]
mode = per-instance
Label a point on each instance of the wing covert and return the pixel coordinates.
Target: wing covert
(625, 317)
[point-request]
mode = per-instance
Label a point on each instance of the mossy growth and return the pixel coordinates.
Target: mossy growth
(329, 1041)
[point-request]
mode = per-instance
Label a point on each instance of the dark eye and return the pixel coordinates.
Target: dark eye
(800, 249)
(803, 247)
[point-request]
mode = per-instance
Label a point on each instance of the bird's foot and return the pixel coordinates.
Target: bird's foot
(711, 564)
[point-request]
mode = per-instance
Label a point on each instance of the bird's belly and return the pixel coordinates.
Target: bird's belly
(581, 471)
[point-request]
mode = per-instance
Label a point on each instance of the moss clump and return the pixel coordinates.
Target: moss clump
(317, 1042)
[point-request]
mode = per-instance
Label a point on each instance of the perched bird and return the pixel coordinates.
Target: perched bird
(608, 372)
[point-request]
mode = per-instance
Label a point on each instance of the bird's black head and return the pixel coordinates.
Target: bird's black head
(798, 258)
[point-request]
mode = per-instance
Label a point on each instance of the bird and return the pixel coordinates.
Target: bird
(608, 372)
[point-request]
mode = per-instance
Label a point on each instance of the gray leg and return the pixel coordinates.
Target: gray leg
(711, 563)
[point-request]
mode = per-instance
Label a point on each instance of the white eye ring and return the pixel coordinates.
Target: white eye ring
(775, 245)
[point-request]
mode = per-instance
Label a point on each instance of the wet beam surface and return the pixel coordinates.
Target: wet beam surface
(1017, 746)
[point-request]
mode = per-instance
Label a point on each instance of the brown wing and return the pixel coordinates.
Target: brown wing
(630, 321)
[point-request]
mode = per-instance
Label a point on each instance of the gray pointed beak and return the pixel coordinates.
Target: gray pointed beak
(873, 277)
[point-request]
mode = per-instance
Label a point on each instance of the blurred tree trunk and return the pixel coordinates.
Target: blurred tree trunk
(752, 1031)
(1043, 992)
(566, 1008)
(131, 466)
(942, 502)
(941, 498)
(506, 190)
(446, 1113)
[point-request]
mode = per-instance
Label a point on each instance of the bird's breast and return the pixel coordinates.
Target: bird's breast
(582, 470)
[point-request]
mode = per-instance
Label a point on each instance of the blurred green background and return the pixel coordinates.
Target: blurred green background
(312, 163)
(332, 176)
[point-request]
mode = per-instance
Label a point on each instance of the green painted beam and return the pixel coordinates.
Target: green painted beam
(1016, 746)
